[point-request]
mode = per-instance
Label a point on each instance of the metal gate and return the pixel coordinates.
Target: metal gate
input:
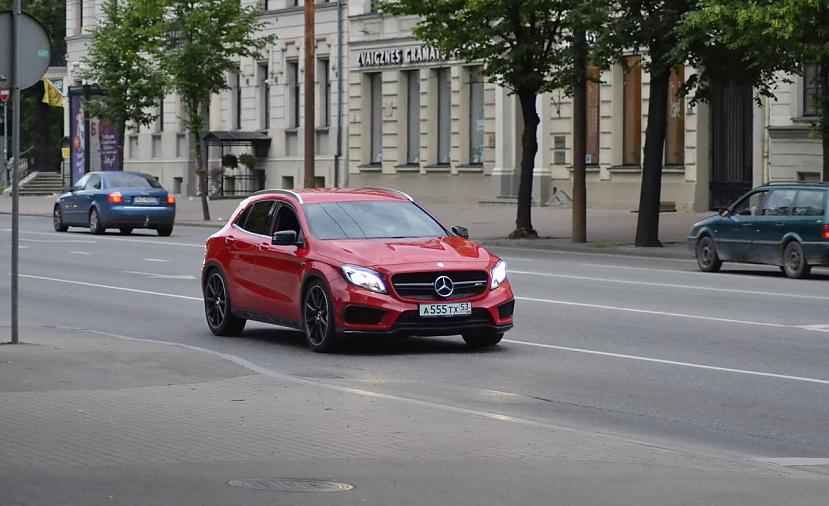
(732, 111)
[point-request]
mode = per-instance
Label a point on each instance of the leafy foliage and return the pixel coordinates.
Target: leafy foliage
(121, 61)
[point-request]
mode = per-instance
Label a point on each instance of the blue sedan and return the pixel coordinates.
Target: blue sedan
(122, 200)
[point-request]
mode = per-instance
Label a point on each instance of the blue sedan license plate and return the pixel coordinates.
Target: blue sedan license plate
(145, 200)
(446, 309)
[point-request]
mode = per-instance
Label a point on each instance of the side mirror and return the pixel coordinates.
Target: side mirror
(284, 238)
(461, 231)
(725, 213)
(67, 189)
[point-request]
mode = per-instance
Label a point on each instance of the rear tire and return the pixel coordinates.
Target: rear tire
(165, 230)
(318, 318)
(707, 258)
(126, 230)
(794, 261)
(482, 338)
(57, 220)
(95, 225)
(217, 308)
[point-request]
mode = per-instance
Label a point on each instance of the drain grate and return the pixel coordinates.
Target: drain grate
(291, 485)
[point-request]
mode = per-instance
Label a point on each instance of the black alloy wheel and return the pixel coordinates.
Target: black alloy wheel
(57, 220)
(707, 258)
(482, 338)
(217, 307)
(318, 318)
(95, 225)
(794, 261)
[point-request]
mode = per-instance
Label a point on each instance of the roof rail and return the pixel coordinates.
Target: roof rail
(393, 191)
(295, 195)
(801, 183)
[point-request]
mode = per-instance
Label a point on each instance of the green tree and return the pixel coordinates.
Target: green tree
(652, 27)
(771, 36)
(121, 61)
(525, 46)
(206, 40)
(41, 126)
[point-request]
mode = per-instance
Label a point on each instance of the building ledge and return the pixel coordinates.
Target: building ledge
(408, 167)
(588, 168)
(374, 167)
(438, 168)
(802, 131)
(625, 168)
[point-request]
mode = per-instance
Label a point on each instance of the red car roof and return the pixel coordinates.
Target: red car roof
(321, 195)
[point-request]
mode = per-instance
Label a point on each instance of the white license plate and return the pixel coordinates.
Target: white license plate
(446, 309)
(145, 200)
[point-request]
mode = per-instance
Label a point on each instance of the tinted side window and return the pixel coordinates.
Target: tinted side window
(809, 203)
(779, 203)
(94, 182)
(751, 204)
(259, 217)
(286, 220)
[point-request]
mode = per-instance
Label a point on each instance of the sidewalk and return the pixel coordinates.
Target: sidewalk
(608, 231)
(91, 419)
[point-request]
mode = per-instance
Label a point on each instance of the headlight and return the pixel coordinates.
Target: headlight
(364, 278)
(499, 274)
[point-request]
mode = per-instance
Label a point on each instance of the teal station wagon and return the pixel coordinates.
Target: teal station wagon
(784, 224)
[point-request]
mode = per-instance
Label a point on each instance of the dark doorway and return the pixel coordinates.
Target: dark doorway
(732, 110)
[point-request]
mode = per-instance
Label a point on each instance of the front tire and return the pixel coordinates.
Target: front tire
(95, 225)
(482, 338)
(318, 318)
(794, 261)
(217, 308)
(57, 220)
(707, 258)
(165, 231)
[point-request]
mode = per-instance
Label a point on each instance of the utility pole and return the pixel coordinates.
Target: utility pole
(310, 122)
(4, 149)
(580, 138)
(15, 81)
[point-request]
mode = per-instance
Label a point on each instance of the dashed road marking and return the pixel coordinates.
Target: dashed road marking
(154, 275)
(154, 260)
(110, 287)
(80, 252)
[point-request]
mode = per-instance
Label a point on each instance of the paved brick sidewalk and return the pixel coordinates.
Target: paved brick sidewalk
(90, 419)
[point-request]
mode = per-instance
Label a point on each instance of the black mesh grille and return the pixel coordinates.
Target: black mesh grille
(505, 310)
(421, 285)
(363, 315)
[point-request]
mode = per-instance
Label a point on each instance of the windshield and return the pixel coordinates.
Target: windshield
(127, 180)
(370, 220)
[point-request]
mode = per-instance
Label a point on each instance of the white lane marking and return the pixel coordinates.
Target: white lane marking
(518, 259)
(81, 241)
(148, 240)
(154, 260)
(110, 287)
(671, 362)
(542, 252)
(816, 328)
(153, 275)
(19, 246)
(80, 252)
(671, 285)
(657, 313)
(795, 461)
(650, 269)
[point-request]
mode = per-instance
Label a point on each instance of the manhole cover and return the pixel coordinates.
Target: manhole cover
(291, 485)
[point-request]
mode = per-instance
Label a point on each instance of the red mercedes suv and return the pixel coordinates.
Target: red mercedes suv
(352, 261)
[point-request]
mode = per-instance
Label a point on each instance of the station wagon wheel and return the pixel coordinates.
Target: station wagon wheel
(707, 258)
(318, 318)
(217, 307)
(57, 220)
(794, 261)
(126, 230)
(95, 225)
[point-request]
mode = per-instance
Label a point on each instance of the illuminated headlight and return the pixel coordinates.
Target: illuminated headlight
(364, 278)
(499, 274)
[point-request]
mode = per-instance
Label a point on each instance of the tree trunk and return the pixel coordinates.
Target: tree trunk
(121, 132)
(529, 146)
(823, 86)
(579, 231)
(647, 229)
(201, 171)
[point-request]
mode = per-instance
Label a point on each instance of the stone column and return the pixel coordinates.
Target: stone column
(542, 172)
(504, 183)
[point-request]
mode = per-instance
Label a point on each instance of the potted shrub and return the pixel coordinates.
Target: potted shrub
(248, 160)
(230, 160)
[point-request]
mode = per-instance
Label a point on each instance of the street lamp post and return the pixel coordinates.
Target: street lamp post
(310, 61)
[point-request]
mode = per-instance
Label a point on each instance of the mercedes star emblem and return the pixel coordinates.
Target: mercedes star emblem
(444, 286)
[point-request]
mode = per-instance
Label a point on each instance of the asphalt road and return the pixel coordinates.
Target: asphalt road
(650, 349)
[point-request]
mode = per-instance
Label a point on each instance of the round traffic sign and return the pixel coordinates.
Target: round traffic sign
(34, 51)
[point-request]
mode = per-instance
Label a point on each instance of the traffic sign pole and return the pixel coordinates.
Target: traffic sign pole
(15, 75)
(4, 173)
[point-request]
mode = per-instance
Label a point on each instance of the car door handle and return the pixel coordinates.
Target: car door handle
(230, 240)
(264, 246)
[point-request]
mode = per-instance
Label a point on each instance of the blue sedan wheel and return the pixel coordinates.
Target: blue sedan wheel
(57, 220)
(95, 225)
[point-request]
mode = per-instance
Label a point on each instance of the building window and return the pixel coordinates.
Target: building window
(593, 116)
(236, 109)
(413, 117)
(79, 20)
(293, 94)
(264, 85)
(476, 117)
(810, 90)
(325, 90)
(376, 81)
(675, 133)
(444, 115)
(632, 111)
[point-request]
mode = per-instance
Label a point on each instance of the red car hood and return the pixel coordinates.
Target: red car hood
(379, 253)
